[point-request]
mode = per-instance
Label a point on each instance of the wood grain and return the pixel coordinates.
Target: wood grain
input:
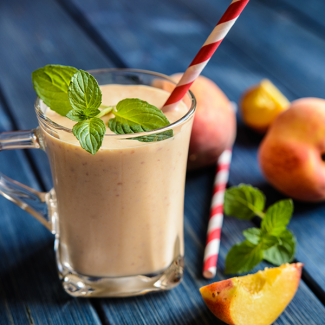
(44, 35)
(30, 291)
(180, 31)
(161, 36)
(34, 34)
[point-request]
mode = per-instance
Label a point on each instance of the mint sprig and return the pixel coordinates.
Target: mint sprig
(133, 115)
(243, 257)
(284, 251)
(85, 98)
(51, 84)
(253, 235)
(277, 217)
(244, 202)
(90, 134)
(76, 94)
(272, 242)
(84, 93)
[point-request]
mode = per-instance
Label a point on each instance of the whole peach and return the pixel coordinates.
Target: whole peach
(291, 155)
(214, 126)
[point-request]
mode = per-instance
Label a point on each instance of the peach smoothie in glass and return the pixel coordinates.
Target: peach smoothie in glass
(119, 212)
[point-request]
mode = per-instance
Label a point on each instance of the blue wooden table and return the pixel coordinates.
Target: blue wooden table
(282, 40)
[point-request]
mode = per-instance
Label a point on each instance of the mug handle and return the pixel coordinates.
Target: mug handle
(40, 205)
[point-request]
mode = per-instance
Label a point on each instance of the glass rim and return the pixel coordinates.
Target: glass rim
(51, 124)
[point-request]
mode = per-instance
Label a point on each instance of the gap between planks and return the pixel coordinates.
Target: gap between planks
(81, 20)
(95, 302)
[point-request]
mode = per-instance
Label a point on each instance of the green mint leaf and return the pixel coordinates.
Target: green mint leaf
(90, 134)
(284, 252)
(267, 241)
(244, 201)
(134, 115)
(79, 115)
(155, 137)
(243, 257)
(256, 236)
(92, 112)
(85, 94)
(51, 84)
(277, 217)
(76, 115)
(253, 235)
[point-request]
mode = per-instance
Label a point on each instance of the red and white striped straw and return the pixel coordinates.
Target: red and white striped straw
(216, 216)
(193, 71)
(205, 53)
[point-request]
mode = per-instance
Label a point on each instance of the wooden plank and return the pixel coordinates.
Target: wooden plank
(296, 312)
(309, 15)
(165, 36)
(183, 305)
(30, 291)
(290, 53)
(33, 34)
(307, 223)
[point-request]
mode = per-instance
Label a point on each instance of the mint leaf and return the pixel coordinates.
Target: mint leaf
(244, 201)
(76, 115)
(243, 257)
(79, 115)
(134, 115)
(284, 252)
(277, 217)
(256, 236)
(155, 137)
(90, 134)
(85, 94)
(51, 84)
(267, 241)
(253, 235)
(273, 241)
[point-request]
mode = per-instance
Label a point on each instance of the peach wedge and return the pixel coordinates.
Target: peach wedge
(256, 299)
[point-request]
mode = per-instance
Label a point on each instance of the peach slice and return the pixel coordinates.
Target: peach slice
(256, 299)
(261, 104)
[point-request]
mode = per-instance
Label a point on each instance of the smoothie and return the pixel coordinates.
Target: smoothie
(120, 210)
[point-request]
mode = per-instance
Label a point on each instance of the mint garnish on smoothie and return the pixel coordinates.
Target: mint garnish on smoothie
(134, 115)
(76, 94)
(51, 84)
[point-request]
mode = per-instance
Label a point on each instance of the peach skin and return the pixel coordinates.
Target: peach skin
(291, 156)
(214, 126)
(256, 299)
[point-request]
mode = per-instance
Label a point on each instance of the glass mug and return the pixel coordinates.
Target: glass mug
(117, 216)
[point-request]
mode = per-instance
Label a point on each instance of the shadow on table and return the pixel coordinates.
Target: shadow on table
(246, 137)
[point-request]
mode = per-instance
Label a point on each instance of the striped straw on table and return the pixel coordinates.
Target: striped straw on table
(205, 53)
(216, 215)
